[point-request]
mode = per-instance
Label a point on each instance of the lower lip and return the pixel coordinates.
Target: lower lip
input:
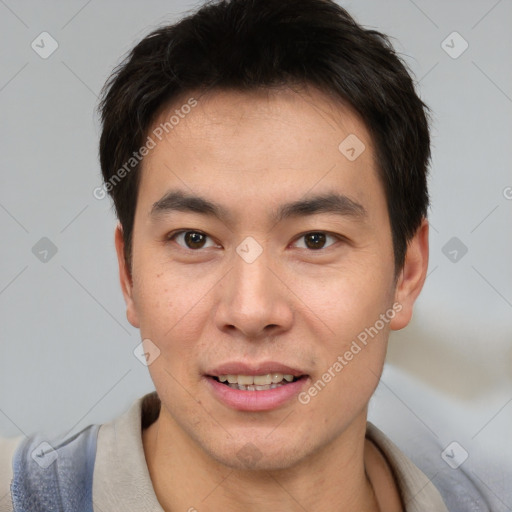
(256, 400)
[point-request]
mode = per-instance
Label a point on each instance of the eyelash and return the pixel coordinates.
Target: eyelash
(171, 237)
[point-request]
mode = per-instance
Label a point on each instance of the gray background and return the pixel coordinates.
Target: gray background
(66, 347)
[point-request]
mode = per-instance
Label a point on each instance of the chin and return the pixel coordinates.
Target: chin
(254, 456)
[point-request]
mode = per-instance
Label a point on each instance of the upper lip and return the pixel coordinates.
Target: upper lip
(262, 368)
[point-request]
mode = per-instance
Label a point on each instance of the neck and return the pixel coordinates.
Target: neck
(334, 478)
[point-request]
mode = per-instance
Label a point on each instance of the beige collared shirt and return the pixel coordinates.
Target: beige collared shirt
(121, 480)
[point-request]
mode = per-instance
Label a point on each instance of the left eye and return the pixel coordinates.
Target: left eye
(316, 240)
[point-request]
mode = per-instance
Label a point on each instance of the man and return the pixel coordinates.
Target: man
(267, 160)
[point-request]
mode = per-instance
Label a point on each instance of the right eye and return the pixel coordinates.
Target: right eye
(191, 239)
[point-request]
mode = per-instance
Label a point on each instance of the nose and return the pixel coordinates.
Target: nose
(253, 299)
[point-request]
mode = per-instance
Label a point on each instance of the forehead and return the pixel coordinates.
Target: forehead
(305, 113)
(271, 142)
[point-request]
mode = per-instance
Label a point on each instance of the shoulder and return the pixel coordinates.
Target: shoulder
(7, 448)
(419, 464)
(49, 471)
(40, 472)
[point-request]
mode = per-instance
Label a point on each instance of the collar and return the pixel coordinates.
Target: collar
(121, 480)
(416, 489)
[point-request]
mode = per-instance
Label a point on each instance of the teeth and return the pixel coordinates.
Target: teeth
(244, 380)
(277, 377)
(253, 382)
(262, 380)
(255, 388)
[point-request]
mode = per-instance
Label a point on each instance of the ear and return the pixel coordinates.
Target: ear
(125, 278)
(412, 276)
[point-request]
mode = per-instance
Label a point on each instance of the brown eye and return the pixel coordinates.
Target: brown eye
(190, 239)
(315, 240)
(194, 240)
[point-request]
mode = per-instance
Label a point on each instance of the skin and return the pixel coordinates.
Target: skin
(303, 307)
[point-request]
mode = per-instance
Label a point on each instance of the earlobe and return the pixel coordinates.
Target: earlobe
(125, 278)
(412, 276)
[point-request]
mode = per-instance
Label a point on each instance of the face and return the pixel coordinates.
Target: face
(262, 251)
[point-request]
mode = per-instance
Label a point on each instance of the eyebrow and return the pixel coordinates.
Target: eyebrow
(331, 202)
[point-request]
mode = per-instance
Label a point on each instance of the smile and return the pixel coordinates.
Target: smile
(256, 382)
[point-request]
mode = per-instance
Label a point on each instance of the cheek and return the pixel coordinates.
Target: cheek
(350, 353)
(157, 305)
(173, 310)
(347, 300)
(162, 295)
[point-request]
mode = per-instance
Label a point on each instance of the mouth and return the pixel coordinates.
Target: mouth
(262, 382)
(260, 387)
